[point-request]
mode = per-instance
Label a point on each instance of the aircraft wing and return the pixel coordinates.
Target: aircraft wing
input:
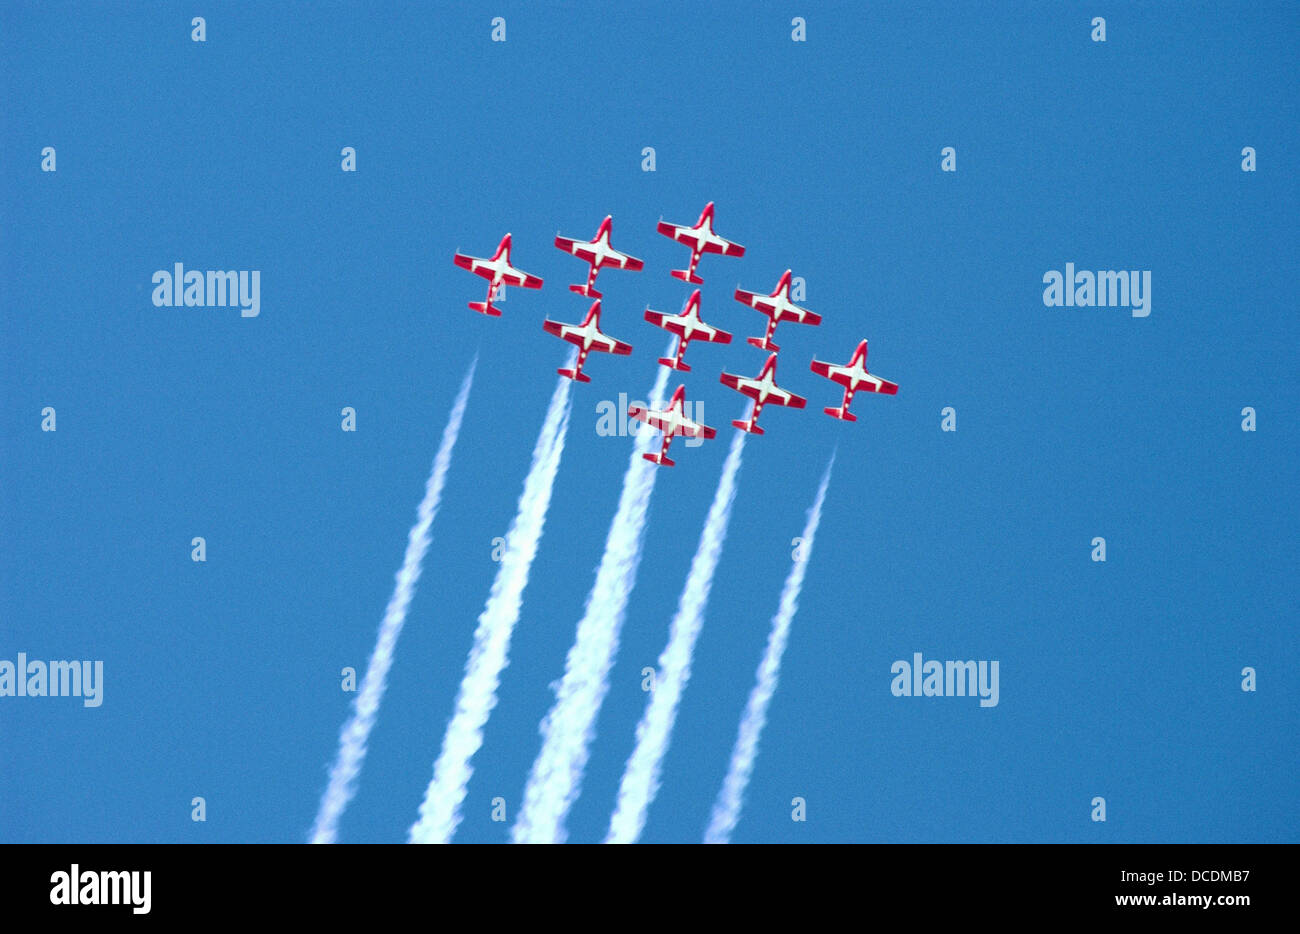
(671, 423)
(671, 323)
(517, 277)
(680, 234)
(757, 301)
(678, 425)
(838, 374)
(844, 376)
(779, 396)
(726, 247)
(580, 248)
(563, 331)
(623, 261)
(741, 384)
(712, 335)
(607, 344)
(690, 429)
(470, 263)
(801, 315)
(655, 419)
(875, 384)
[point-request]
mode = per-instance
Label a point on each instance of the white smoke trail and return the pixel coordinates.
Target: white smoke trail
(569, 727)
(440, 812)
(641, 775)
(365, 707)
(726, 810)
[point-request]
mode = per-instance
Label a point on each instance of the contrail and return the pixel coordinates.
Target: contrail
(569, 727)
(726, 810)
(365, 707)
(653, 733)
(440, 812)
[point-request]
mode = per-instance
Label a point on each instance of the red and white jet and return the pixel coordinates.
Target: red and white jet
(588, 336)
(853, 376)
(499, 273)
(701, 240)
(672, 422)
(777, 307)
(688, 327)
(762, 389)
(598, 253)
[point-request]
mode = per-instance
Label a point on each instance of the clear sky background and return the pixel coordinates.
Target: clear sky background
(222, 679)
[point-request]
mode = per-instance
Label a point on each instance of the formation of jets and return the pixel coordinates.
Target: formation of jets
(688, 325)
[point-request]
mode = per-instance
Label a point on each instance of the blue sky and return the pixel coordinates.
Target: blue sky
(1119, 679)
